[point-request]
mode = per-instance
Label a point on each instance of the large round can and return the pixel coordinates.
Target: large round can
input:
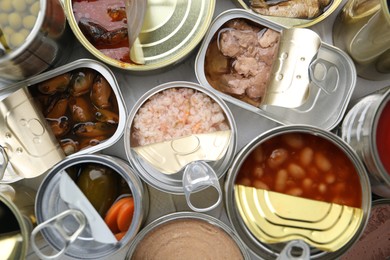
(17, 218)
(172, 181)
(187, 233)
(362, 29)
(51, 205)
(280, 209)
(34, 37)
(366, 128)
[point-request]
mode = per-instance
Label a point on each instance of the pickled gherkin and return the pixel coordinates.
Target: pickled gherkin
(100, 185)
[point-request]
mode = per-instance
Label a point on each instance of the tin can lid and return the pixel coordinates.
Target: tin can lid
(171, 30)
(323, 12)
(274, 217)
(17, 20)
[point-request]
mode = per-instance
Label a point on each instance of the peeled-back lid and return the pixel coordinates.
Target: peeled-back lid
(274, 217)
(28, 147)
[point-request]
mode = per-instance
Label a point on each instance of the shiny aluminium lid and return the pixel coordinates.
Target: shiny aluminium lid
(273, 217)
(171, 30)
(288, 21)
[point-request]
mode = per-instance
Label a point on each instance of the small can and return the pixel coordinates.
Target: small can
(200, 234)
(365, 127)
(18, 218)
(285, 13)
(315, 77)
(172, 165)
(51, 204)
(362, 30)
(74, 109)
(34, 37)
(266, 215)
(167, 37)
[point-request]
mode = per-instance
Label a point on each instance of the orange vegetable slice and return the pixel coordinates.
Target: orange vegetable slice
(112, 213)
(125, 215)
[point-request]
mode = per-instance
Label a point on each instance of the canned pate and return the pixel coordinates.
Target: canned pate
(289, 76)
(80, 205)
(34, 37)
(298, 184)
(366, 128)
(75, 109)
(184, 235)
(180, 137)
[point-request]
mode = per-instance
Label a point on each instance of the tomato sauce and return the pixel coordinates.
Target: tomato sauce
(111, 15)
(383, 137)
(303, 165)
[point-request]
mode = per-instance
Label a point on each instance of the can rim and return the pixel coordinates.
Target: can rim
(259, 248)
(133, 67)
(383, 101)
(187, 215)
(146, 175)
(125, 171)
(22, 224)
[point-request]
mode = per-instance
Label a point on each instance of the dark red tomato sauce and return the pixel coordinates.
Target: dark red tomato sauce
(110, 15)
(303, 165)
(383, 137)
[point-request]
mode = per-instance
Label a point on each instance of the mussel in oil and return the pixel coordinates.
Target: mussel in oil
(101, 92)
(81, 82)
(80, 109)
(56, 84)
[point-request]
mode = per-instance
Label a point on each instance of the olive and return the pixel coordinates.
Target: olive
(100, 185)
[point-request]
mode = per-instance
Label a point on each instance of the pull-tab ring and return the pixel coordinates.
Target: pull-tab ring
(3, 162)
(56, 223)
(324, 75)
(198, 175)
(286, 253)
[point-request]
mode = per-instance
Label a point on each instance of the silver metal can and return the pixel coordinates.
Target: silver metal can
(166, 165)
(18, 218)
(50, 205)
(327, 76)
(34, 37)
(29, 146)
(362, 30)
(283, 216)
(361, 128)
(195, 238)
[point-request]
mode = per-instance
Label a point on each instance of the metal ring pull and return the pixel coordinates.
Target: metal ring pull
(198, 175)
(56, 222)
(3, 162)
(324, 75)
(287, 254)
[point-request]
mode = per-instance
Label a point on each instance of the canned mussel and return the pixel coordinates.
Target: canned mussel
(292, 12)
(74, 109)
(34, 36)
(366, 128)
(285, 74)
(89, 206)
(298, 191)
(180, 138)
(187, 235)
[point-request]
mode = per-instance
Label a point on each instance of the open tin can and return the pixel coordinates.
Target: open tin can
(170, 31)
(195, 137)
(298, 184)
(306, 81)
(291, 13)
(64, 213)
(34, 37)
(43, 115)
(182, 235)
(366, 128)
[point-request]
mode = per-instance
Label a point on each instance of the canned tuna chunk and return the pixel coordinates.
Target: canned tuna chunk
(366, 128)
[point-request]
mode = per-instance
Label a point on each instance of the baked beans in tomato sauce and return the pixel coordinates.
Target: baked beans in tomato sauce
(304, 165)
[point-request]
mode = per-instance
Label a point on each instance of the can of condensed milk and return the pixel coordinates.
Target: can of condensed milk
(298, 185)
(366, 128)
